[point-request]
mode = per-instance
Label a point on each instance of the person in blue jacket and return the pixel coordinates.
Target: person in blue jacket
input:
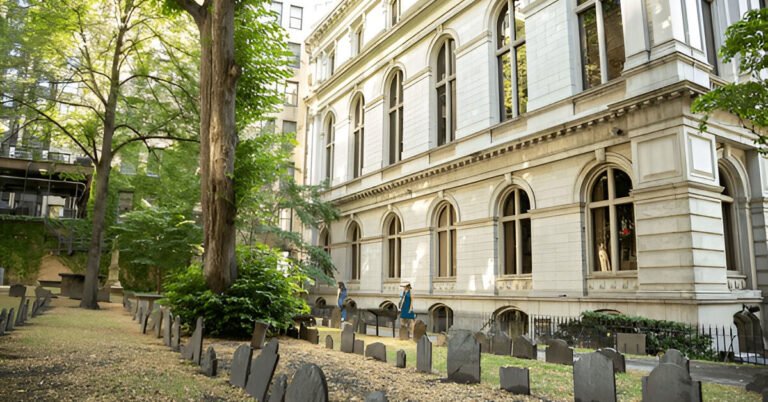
(406, 306)
(341, 297)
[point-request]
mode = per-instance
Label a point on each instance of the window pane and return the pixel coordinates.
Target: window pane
(510, 248)
(709, 33)
(614, 37)
(355, 266)
(502, 28)
(600, 188)
(590, 51)
(295, 49)
(622, 184)
(509, 205)
(400, 133)
(441, 62)
(522, 79)
(289, 126)
(296, 17)
(505, 81)
(277, 8)
(519, 22)
(627, 249)
(442, 121)
(397, 256)
(442, 218)
(391, 257)
(357, 163)
(393, 92)
(452, 133)
(525, 240)
(452, 57)
(291, 93)
(452, 270)
(601, 234)
(728, 237)
(393, 137)
(442, 244)
(525, 203)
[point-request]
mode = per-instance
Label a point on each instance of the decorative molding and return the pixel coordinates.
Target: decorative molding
(613, 284)
(505, 284)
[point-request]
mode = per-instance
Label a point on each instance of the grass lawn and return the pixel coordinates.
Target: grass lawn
(548, 381)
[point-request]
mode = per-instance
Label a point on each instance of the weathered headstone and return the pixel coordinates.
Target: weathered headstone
(303, 331)
(279, 386)
(515, 380)
(376, 396)
(594, 379)
(35, 305)
(377, 350)
(17, 290)
(313, 336)
(196, 341)
(24, 311)
(47, 300)
(168, 320)
(674, 356)
(619, 363)
(9, 323)
(463, 357)
(240, 366)
(156, 320)
(176, 334)
(484, 341)
(400, 363)
(259, 334)
(524, 348)
(424, 355)
(442, 339)
(262, 370)
(140, 316)
(670, 382)
(419, 330)
(404, 334)
(630, 343)
(3, 320)
(307, 385)
(20, 313)
(209, 364)
(40, 292)
(329, 342)
(359, 348)
(361, 326)
(144, 323)
(336, 318)
(758, 383)
(501, 344)
(559, 352)
(347, 338)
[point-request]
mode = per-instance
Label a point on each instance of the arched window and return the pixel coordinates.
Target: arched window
(394, 12)
(441, 317)
(512, 60)
(395, 117)
(511, 321)
(446, 241)
(354, 238)
(445, 86)
(329, 131)
(325, 241)
(516, 232)
(612, 217)
(393, 241)
(729, 230)
(358, 132)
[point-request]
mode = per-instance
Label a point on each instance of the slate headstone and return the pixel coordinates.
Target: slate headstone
(515, 380)
(501, 344)
(377, 350)
(168, 320)
(484, 341)
(40, 292)
(559, 352)
(326, 322)
(259, 334)
(3, 320)
(24, 311)
(336, 318)
(619, 362)
(240, 366)
(157, 322)
(359, 348)
(262, 370)
(400, 363)
(308, 385)
(313, 336)
(144, 323)
(376, 396)
(17, 290)
(20, 314)
(35, 304)
(303, 331)
(630, 343)
(196, 341)
(347, 338)
(419, 330)
(670, 382)
(208, 363)
(404, 334)
(674, 356)
(176, 334)
(463, 357)
(361, 326)
(140, 316)
(524, 348)
(758, 383)
(279, 386)
(47, 299)
(186, 351)
(329, 342)
(9, 323)
(594, 378)
(424, 355)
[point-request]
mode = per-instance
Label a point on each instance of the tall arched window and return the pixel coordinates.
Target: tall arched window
(446, 241)
(354, 237)
(729, 230)
(329, 133)
(441, 317)
(516, 231)
(511, 58)
(325, 241)
(358, 131)
(612, 218)
(394, 12)
(395, 115)
(393, 242)
(445, 86)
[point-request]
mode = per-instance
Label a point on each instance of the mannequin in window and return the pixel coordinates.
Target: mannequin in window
(605, 262)
(341, 298)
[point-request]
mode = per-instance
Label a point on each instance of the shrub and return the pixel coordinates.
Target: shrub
(268, 288)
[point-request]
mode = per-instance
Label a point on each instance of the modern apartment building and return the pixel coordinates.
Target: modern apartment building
(510, 158)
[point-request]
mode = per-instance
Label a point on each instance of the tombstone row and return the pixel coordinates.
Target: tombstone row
(14, 317)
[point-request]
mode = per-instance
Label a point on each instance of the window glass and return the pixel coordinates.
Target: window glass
(709, 33)
(289, 126)
(525, 237)
(297, 14)
(601, 235)
(614, 37)
(600, 188)
(295, 49)
(622, 184)
(291, 97)
(522, 79)
(626, 236)
(525, 203)
(510, 248)
(505, 70)
(590, 49)
(277, 8)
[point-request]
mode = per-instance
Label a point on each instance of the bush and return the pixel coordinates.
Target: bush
(268, 288)
(660, 334)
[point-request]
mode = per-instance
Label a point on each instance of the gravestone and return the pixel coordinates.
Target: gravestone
(17, 290)
(376, 396)
(463, 357)
(359, 348)
(559, 352)
(240, 366)
(313, 336)
(157, 322)
(20, 314)
(400, 362)
(347, 338)
(144, 324)
(361, 327)
(35, 304)
(47, 299)
(24, 311)
(262, 370)
(3, 320)
(759, 383)
(186, 351)
(302, 331)
(176, 334)
(501, 344)
(670, 382)
(196, 341)
(619, 363)
(208, 363)
(442, 339)
(376, 350)
(336, 318)
(168, 320)
(140, 316)
(307, 385)
(40, 292)
(524, 348)
(419, 330)
(329, 342)
(424, 355)
(593, 378)
(674, 356)
(630, 343)
(9, 323)
(277, 392)
(485, 343)
(259, 334)
(404, 335)
(515, 380)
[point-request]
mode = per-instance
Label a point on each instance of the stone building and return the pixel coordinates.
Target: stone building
(511, 158)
